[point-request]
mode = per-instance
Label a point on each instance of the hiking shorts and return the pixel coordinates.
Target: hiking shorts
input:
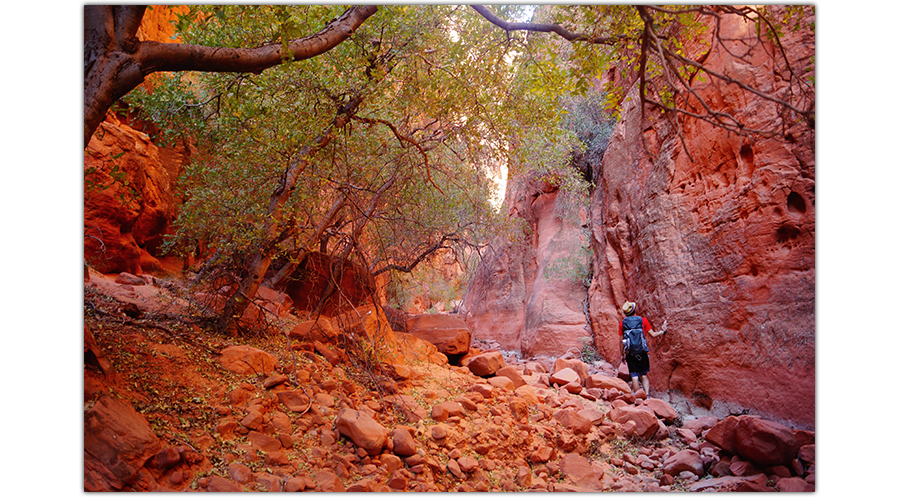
(638, 364)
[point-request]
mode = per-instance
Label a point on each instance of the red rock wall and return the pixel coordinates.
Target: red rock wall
(515, 297)
(124, 217)
(723, 247)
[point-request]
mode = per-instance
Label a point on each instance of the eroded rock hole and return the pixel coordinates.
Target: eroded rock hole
(795, 204)
(787, 233)
(747, 154)
(754, 271)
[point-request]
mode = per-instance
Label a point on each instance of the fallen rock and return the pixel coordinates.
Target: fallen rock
(167, 458)
(453, 468)
(764, 442)
(118, 442)
(725, 483)
(467, 464)
(442, 411)
(597, 381)
(663, 410)
(321, 330)
(594, 414)
(502, 383)
(684, 460)
(722, 434)
(362, 429)
(486, 364)
(328, 481)
(130, 279)
(741, 467)
(700, 424)
(448, 332)
(564, 377)
(439, 432)
(218, 484)
(793, 484)
(246, 360)
(518, 409)
(645, 422)
(579, 471)
(274, 380)
(576, 365)
(270, 482)
(264, 442)
(404, 444)
(542, 454)
(240, 472)
(534, 367)
(299, 483)
(807, 453)
(528, 394)
(571, 419)
(512, 374)
(294, 400)
(486, 391)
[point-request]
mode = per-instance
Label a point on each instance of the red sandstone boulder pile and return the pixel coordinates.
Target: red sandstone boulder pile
(305, 421)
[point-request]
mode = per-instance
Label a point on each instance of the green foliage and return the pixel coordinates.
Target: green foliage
(586, 117)
(96, 179)
(447, 99)
(436, 74)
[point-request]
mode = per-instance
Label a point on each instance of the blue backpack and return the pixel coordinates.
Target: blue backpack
(633, 330)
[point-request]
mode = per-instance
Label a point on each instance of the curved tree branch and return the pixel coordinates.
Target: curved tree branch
(116, 62)
(407, 268)
(544, 28)
(402, 138)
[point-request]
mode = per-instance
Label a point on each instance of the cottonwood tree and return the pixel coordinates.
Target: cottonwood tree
(377, 148)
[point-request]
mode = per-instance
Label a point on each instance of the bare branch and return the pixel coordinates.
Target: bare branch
(402, 138)
(419, 258)
(544, 28)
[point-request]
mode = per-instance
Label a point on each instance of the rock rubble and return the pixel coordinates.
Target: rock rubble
(311, 424)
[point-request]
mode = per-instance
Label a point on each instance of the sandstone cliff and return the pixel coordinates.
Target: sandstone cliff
(722, 246)
(718, 239)
(528, 293)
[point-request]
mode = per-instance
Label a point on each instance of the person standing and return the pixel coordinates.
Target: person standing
(635, 350)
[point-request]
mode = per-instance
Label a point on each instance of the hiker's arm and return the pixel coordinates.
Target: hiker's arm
(664, 326)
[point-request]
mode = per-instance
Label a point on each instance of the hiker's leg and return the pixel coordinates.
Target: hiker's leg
(645, 381)
(634, 383)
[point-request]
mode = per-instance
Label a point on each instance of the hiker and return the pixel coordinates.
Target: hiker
(635, 351)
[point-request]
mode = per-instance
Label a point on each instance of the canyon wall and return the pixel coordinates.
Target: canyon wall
(714, 232)
(527, 293)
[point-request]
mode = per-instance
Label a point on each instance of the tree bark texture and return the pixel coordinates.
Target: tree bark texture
(115, 61)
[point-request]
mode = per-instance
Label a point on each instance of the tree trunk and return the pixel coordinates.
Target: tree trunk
(115, 61)
(237, 304)
(336, 275)
(289, 268)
